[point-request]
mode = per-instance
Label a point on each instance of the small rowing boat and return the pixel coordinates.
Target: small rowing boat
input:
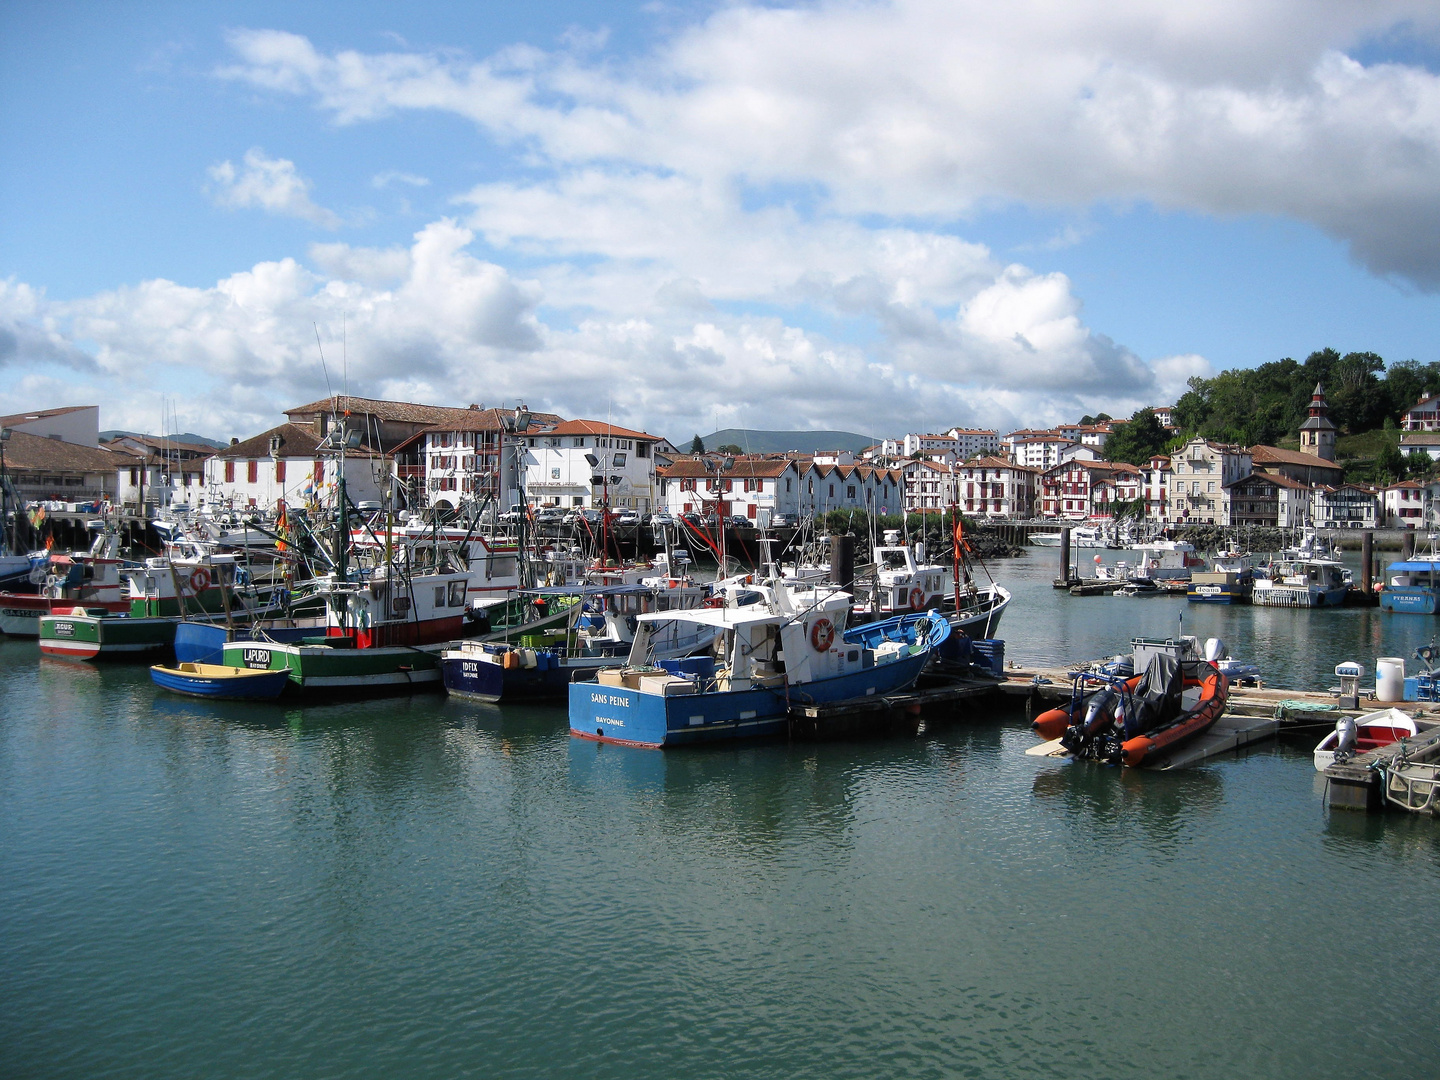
(221, 681)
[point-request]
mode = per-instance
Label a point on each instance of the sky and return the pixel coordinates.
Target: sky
(879, 217)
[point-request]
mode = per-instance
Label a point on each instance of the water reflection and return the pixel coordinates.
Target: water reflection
(1103, 804)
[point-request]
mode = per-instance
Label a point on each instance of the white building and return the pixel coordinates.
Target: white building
(78, 424)
(974, 442)
(584, 462)
(286, 463)
(1424, 415)
(1041, 452)
(1345, 506)
(953, 445)
(1155, 484)
(1427, 442)
(1407, 505)
(1199, 473)
(752, 484)
(993, 487)
(929, 486)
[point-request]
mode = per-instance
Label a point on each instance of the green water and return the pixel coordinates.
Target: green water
(416, 887)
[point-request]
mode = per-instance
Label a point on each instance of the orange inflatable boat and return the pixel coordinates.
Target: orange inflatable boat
(1134, 720)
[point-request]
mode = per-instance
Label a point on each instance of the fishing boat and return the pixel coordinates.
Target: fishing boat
(783, 648)
(1302, 583)
(90, 580)
(162, 593)
(599, 633)
(1359, 736)
(905, 582)
(1167, 560)
(219, 681)
(1229, 580)
(1413, 585)
(1134, 720)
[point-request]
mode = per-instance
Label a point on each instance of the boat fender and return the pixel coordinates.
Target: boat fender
(917, 597)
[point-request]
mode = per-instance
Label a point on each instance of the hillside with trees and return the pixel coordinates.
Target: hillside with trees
(1267, 404)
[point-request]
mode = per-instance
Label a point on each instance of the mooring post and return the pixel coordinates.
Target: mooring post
(842, 560)
(1407, 544)
(1065, 553)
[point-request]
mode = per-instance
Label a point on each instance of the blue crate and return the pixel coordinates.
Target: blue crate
(989, 652)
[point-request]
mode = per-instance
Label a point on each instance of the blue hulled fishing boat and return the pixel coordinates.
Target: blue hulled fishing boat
(777, 647)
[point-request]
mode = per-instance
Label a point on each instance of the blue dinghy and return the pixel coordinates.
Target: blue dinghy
(221, 681)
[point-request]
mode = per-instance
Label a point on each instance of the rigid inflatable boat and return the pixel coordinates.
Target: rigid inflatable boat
(1134, 720)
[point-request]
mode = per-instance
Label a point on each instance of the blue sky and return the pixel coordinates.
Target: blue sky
(881, 217)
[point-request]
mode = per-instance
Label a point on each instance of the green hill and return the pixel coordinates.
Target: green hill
(777, 442)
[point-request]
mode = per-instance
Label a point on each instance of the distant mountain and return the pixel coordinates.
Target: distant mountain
(775, 442)
(186, 437)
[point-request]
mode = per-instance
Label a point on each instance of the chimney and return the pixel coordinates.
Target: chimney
(234, 442)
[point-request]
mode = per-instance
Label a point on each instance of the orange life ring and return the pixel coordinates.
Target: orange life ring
(917, 597)
(822, 635)
(199, 580)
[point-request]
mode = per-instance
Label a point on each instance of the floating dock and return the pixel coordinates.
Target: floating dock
(892, 713)
(1368, 781)
(1230, 733)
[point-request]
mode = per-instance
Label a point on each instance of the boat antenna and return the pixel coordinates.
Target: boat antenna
(324, 370)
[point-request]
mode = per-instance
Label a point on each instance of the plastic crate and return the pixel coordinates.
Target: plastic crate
(989, 652)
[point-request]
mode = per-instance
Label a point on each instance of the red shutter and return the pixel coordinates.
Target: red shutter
(252, 471)
(229, 472)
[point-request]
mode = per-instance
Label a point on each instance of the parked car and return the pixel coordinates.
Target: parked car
(549, 515)
(662, 517)
(626, 516)
(780, 521)
(511, 516)
(739, 521)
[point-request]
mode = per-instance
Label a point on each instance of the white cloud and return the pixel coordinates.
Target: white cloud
(272, 184)
(934, 107)
(385, 179)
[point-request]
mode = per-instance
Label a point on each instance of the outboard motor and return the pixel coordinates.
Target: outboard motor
(1345, 743)
(1215, 650)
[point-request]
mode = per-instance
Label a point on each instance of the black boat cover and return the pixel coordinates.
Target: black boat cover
(1156, 701)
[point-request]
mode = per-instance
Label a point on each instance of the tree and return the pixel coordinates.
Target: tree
(1193, 408)
(1418, 463)
(1139, 440)
(729, 448)
(1390, 464)
(697, 446)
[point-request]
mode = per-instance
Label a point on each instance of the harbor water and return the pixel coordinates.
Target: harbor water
(420, 887)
